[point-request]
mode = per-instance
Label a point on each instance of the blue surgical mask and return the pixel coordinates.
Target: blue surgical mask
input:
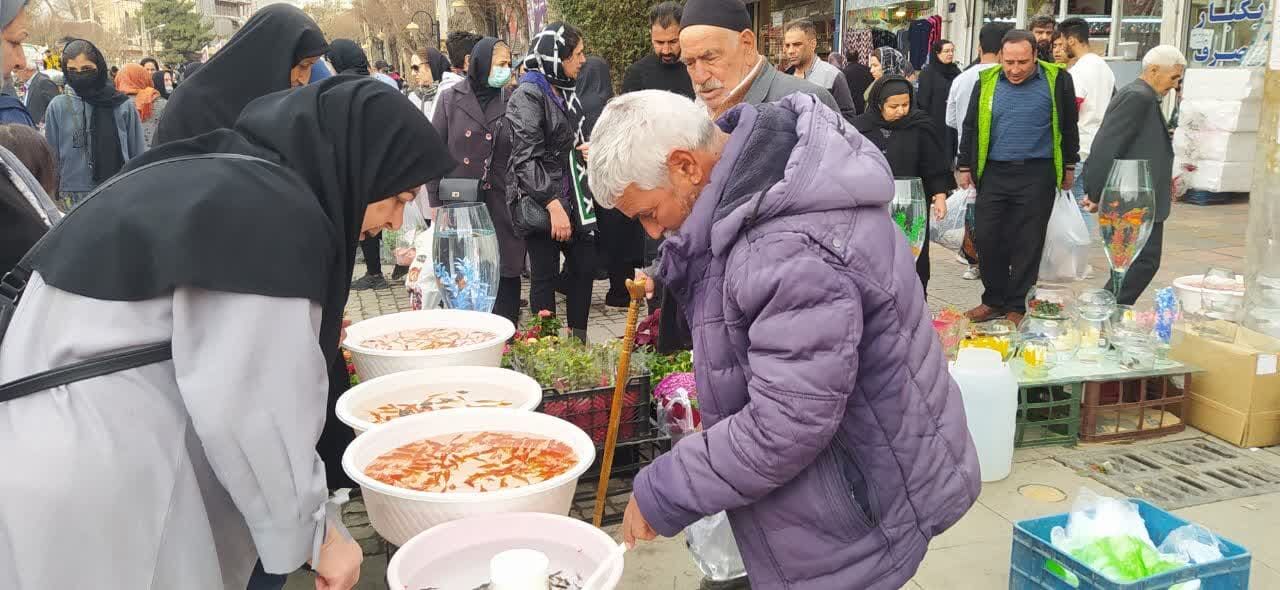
(498, 77)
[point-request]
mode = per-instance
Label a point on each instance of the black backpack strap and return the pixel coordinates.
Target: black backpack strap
(98, 366)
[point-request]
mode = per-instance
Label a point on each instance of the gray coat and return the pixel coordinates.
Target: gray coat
(771, 85)
(1133, 128)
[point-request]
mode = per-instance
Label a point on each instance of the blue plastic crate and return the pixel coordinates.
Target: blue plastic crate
(1032, 552)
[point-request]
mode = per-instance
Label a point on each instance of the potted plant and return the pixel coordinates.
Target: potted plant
(577, 378)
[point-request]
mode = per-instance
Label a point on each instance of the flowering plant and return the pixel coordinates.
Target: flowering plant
(566, 364)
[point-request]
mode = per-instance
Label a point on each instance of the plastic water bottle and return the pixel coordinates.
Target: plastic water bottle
(990, 393)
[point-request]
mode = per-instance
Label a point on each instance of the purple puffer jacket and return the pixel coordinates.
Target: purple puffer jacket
(836, 438)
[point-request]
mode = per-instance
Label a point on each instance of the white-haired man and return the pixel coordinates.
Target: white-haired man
(1134, 128)
(809, 325)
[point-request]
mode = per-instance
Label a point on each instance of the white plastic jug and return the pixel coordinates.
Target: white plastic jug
(990, 393)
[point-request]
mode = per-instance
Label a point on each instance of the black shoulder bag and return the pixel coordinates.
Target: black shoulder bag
(13, 284)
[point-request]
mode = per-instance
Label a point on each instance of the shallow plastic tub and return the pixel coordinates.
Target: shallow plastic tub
(456, 554)
(398, 513)
(489, 383)
(371, 363)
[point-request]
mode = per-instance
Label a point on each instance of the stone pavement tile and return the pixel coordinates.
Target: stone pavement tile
(1034, 454)
(1251, 522)
(1263, 576)
(976, 566)
(1236, 251)
(1003, 497)
(373, 576)
(660, 564)
(980, 524)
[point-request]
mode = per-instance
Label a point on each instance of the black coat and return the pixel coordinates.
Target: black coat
(1133, 128)
(649, 73)
(542, 135)
(475, 135)
(935, 85)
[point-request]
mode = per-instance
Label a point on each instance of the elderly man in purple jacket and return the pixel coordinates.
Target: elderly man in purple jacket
(835, 439)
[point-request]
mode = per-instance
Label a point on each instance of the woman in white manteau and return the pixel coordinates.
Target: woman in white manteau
(229, 256)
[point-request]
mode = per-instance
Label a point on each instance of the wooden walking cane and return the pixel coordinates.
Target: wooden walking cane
(637, 291)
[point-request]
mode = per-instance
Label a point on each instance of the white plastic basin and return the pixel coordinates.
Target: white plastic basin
(1189, 292)
(371, 363)
(456, 554)
(398, 513)
(490, 383)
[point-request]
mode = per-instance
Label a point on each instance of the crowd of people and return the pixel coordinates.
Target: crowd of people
(181, 255)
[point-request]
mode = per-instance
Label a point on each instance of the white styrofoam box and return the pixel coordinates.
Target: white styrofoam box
(1219, 115)
(1243, 84)
(1221, 146)
(1220, 177)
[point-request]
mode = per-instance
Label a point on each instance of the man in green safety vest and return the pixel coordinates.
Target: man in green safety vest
(1020, 145)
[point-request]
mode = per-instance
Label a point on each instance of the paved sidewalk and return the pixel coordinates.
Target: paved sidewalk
(974, 554)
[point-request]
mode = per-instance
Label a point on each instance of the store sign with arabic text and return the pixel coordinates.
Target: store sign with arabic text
(1223, 32)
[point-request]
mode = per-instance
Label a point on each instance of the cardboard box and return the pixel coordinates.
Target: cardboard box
(1237, 397)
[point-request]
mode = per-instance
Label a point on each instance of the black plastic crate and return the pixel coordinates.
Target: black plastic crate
(588, 409)
(627, 462)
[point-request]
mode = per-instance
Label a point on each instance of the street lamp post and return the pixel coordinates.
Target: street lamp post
(435, 26)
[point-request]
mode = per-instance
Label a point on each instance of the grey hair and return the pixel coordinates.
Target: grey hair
(1163, 56)
(635, 134)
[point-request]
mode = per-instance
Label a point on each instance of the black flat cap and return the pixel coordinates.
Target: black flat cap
(726, 14)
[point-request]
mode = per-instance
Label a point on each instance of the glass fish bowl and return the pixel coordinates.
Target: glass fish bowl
(997, 335)
(1050, 301)
(910, 212)
(1038, 356)
(465, 248)
(1063, 333)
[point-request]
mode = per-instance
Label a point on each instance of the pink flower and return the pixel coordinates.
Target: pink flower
(546, 313)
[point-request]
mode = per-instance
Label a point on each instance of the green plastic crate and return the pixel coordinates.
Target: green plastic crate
(1048, 415)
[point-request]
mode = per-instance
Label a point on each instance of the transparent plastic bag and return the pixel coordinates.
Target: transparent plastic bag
(424, 289)
(711, 542)
(1192, 543)
(1066, 242)
(949, 233)
(1109, 535)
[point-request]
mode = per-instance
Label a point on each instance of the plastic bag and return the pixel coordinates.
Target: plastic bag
(1066, 242)
(424, 290)
(949, 233)
(1192, 543)
(677, 400)
(711, 542)
(1110, 536)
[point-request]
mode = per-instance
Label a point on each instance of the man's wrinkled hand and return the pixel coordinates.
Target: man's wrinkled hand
(648, 283)
(634, 526)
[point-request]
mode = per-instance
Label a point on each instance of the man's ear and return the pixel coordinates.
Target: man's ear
(682, 164)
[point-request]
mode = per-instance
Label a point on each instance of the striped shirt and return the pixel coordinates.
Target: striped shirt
(1022, 119)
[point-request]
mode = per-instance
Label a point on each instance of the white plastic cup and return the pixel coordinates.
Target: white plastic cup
(519, 569)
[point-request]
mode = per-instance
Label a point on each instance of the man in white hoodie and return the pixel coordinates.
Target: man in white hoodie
(1095, 84)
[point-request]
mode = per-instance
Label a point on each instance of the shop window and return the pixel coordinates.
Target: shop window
(1222, 31)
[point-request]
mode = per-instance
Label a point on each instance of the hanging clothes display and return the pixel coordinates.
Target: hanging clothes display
(858, 40)
(918, 34)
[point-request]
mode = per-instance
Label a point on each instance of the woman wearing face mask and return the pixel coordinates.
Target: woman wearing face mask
(546, 120)
(907, 138)
(273, 51)
(182, 469)
(430, 73)
(470, 117)
(935, 85)
(93, 131)
(134, 81)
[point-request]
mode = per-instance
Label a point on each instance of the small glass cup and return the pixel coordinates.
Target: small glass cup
(1137, 352)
